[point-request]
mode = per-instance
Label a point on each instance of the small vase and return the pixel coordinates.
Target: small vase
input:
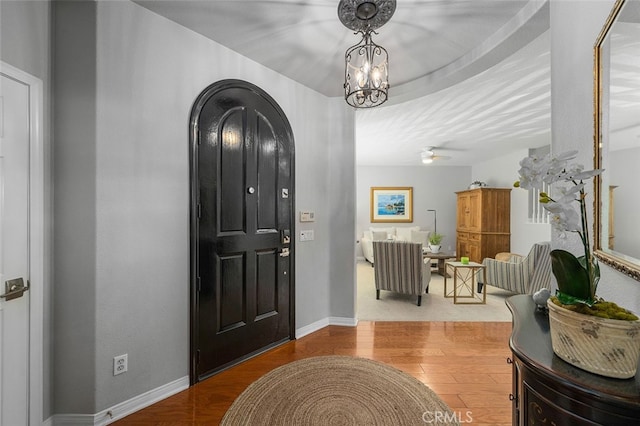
(603, 346)
(434, 248)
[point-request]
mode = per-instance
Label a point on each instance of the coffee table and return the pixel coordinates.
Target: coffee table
(442, 258)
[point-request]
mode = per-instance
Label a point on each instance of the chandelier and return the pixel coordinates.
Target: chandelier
(366, 82)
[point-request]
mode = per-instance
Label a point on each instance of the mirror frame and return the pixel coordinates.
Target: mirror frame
(617, 262)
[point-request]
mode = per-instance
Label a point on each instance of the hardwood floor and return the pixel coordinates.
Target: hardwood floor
(463, 362)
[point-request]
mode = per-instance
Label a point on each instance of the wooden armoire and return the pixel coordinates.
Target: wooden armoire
(483, 223)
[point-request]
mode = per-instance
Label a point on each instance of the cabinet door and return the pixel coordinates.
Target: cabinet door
(463, 211)
(474, 252)
(461, 248)
(474, 218)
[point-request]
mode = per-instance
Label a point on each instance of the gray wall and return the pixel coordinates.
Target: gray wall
(342, 184)
(147, 72)
(575, 25)
(75, 207)
(25, 44)
(434, 187)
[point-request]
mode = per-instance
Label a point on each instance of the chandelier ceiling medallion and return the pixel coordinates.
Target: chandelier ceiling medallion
(366, 64)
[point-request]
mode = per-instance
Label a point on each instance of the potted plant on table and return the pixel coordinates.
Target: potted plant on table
(586, 331)
(434, 242)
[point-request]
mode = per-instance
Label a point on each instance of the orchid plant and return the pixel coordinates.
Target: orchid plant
(577, 276)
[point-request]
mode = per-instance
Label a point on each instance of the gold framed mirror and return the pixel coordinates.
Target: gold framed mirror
(617, 139)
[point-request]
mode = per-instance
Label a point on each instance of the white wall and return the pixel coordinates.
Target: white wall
(502, 172)
(434, 187)
(134, 297)
(575, 25)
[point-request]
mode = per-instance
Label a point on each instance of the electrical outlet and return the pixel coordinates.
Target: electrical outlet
(120, 364)
(307, 235)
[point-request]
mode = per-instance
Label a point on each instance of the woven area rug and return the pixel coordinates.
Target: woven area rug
(338, 390)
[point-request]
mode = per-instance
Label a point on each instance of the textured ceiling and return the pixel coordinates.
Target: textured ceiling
(502, 109)
(459, 77)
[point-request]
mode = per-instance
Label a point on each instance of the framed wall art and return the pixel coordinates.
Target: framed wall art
(392, 204)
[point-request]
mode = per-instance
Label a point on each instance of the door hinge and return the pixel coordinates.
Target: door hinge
(198, 357)
(199, 284)
(199, 211)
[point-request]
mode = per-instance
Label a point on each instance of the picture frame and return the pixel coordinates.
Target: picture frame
(391, 204)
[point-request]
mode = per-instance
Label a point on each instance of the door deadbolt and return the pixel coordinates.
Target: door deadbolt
(251, 190)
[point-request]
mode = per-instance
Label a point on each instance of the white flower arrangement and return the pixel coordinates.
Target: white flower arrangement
(577, 277)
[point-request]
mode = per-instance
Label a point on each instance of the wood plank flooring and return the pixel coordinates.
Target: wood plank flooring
(463, 362)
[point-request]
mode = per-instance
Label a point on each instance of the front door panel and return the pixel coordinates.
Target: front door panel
(243, 156)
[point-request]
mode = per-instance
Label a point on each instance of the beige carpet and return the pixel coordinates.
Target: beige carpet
(435, 307)
(338, 390)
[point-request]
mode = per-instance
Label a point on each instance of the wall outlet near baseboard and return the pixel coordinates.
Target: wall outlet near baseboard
(120, 364)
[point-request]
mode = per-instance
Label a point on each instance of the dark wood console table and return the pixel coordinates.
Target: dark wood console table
(549, 391)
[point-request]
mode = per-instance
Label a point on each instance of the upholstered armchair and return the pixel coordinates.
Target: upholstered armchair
(524, 275)
(399, 267)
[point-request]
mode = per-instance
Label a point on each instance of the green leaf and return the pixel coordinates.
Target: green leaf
(573, 279)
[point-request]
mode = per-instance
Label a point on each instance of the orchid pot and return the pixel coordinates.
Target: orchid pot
(586, 331)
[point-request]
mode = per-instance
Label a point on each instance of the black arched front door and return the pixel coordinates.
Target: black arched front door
(242, 280)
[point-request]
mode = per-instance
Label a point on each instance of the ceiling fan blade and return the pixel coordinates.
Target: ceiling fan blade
(442, 157)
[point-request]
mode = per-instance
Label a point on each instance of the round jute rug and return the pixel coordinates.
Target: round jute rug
(338, 390)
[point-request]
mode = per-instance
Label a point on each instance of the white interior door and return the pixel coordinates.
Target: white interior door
(21, 247)
(14, 251)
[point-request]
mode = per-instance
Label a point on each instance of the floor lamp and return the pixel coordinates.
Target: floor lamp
(435, 221)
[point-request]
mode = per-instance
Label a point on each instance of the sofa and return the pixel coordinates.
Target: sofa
(413, 234)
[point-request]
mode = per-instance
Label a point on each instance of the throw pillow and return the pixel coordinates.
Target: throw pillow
(391, 232)
(420, 237)
(404, 234)
(379, 236)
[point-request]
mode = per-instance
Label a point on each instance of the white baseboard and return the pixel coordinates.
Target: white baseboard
(146, 399)
(308, 329)
(349, 322)
(122, 409)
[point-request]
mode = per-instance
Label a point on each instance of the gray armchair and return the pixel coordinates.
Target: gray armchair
(524, 275)
(400, 267)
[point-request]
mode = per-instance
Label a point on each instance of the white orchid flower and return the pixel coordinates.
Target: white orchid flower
(564, 217)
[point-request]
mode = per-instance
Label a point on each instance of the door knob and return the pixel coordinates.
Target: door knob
(14, 288)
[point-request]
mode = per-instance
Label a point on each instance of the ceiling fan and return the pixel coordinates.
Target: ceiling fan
(428, 156)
